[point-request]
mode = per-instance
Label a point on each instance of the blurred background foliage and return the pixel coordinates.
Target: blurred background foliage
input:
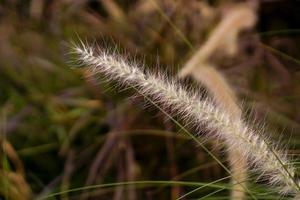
(61, 129)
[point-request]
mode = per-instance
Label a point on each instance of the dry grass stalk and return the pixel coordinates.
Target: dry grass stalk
(224, 37)
(224, 96)
(13, 183)
(265, 158)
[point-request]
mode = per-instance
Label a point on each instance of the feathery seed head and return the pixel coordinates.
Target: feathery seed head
(264, 158)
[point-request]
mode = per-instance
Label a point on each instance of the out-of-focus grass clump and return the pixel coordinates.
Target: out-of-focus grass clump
(62, 131)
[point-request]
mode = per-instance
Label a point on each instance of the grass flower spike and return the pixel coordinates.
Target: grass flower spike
(265, 158)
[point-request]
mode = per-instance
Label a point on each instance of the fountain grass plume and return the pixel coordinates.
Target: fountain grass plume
(265, 158)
